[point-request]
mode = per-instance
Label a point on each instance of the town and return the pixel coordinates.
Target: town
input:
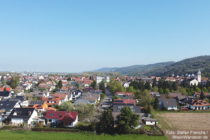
(105, 70)
(102, 103)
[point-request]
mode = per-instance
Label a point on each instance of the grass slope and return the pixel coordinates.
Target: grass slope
(29, 135)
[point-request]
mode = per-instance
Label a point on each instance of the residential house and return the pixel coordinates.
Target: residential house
(185, 101)
(88, 98)
(21, 116)
(68, 96)
(99, 79)
(155, 94)
(87, 83)
(64, 97)
(55, 99)
(61, 118)
(124, 102)
(19, 98)
(168, 104)
(179, 97)
(126, 84)
(76, 94)
(39, 105)
(117, 108)
(38, 94)
(52, 100)
(125, 95)
(149, 121)
(5, 94)
(199, 105)
(6, 107)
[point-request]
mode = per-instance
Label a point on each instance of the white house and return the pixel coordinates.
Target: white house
(194, 82)
(149, 121)
(23, 116)
(126, 85)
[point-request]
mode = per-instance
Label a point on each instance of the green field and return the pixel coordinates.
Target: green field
(29, 135)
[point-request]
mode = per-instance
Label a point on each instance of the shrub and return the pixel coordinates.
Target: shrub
(86, 126)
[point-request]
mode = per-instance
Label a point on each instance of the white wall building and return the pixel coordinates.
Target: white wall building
(99, 79)
(194, 82)
(199, 78)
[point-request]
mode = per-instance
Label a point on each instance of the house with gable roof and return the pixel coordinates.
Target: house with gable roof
(61, 118)
(21, 116)
(6, 107)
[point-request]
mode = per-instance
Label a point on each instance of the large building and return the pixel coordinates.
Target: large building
(99, 79)
(197, 80)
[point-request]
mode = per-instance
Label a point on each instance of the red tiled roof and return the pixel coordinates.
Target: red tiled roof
(4, 88)
(200, 103)
(87, 82)
(64, 116)
(124, 101)
(59, 95)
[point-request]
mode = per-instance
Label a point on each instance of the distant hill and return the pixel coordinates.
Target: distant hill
(191, 65)
(135, 69)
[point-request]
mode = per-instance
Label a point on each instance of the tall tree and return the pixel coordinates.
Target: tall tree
(66, 106)
(147, 86)
(102, 86)
(106, 123)
(126, 121)
(146, 101)
(202, 96)
(14, 82)
(59, 85)
(156, 103)
(93, 84)
(115, 86)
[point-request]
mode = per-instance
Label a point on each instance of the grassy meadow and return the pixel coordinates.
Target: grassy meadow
(29, 135)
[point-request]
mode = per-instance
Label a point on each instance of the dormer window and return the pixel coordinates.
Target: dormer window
(15, 114)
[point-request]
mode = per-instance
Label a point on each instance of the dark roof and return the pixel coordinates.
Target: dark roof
(7, 105)
(135, 109)
(39, 102)
(20, 98)
(149, 119)
(24, 113)
(4, 93)
(168, 102)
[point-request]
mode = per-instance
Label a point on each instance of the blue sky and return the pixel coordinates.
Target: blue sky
(79, 35)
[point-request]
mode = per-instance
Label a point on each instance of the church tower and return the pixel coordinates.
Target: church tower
(199, 76)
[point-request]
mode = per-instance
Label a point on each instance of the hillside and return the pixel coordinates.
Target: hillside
(136, 69)
(190, 65)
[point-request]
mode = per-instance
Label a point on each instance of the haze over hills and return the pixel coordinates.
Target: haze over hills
(136, 69)
(190, 65)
